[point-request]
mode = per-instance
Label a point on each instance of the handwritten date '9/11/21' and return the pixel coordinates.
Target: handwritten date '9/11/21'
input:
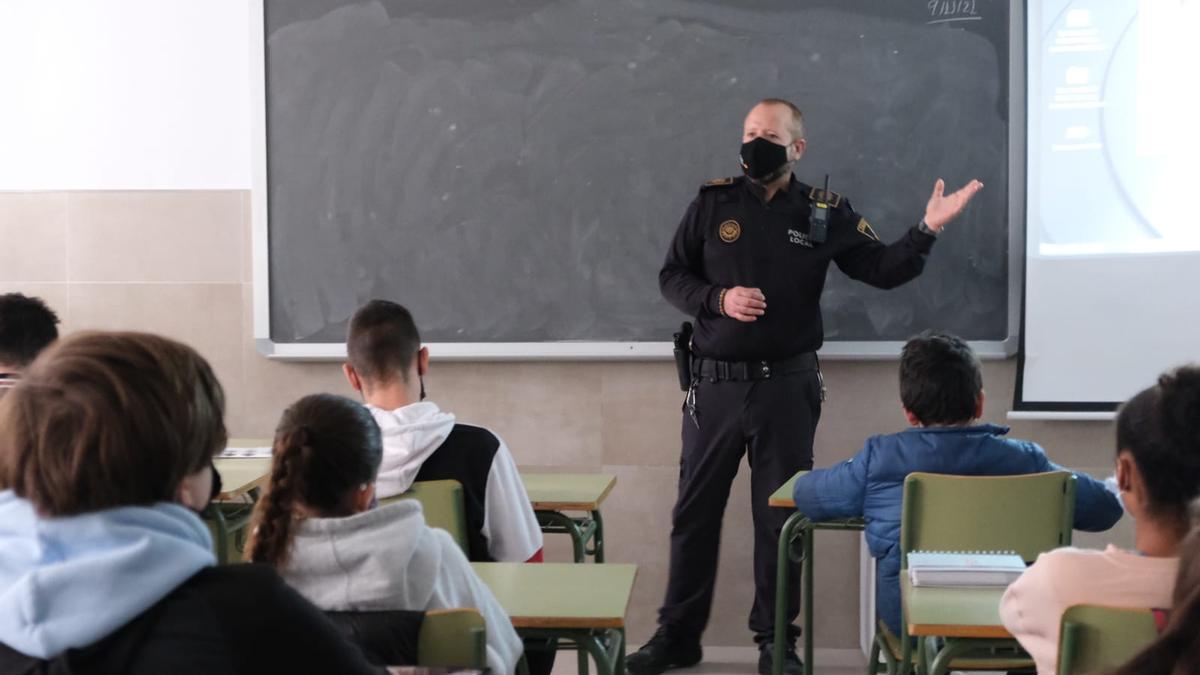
(943, 10)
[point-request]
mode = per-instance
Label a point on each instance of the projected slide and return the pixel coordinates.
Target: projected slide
(1112, 201)
(1114, 123)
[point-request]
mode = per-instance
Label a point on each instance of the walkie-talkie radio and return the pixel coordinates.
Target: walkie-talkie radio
(818, 228)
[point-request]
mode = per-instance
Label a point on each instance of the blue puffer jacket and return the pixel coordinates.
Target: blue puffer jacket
(871, 485)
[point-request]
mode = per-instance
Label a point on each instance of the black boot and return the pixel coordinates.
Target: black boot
(791, 662)
(664, 652)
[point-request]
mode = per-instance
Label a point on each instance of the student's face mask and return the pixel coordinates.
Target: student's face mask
(190, 495)
(216, 484)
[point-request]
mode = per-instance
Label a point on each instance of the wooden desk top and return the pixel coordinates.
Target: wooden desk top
(783, 496)
(567, 491)
(241, 475)
(249, 443)
(561, 595)
(952, 612)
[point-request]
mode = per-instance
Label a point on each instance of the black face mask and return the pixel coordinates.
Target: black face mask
(764, 161)
(216, 483)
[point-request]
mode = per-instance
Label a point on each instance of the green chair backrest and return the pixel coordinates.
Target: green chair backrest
(228, 551)
(452, 638)
(235, 517)
(1095, 639)
(1028, 514)
(444, 506)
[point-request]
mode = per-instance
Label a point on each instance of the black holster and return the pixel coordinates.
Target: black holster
(683, 355)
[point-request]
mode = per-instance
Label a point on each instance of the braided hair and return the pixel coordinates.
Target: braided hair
(326, 448)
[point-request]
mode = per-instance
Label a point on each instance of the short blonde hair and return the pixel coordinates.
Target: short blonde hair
(797, 116)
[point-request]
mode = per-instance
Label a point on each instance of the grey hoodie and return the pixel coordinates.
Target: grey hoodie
(388, 558)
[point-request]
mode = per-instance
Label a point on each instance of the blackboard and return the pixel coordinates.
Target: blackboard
(512, 170)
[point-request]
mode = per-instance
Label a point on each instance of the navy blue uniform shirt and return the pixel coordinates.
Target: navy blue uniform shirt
(730, 237)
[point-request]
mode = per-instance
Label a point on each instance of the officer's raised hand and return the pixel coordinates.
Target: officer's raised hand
(743, 304)
(941, 208)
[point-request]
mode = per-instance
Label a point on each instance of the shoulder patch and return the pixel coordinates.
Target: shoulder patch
(830, 197)
(864, 228)
(717, 183)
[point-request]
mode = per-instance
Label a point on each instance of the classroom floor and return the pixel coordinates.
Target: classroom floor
(744, 661)
(739, 661)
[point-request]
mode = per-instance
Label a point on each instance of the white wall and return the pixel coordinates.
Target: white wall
(125, 94)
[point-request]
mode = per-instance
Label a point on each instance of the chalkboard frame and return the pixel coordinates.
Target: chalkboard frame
(619, 351)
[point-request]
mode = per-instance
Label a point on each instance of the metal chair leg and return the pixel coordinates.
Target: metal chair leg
(598, 538)
(873, 660)
(561, 522)
(796, 523)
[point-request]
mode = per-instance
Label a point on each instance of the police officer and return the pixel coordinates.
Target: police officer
(748, 262)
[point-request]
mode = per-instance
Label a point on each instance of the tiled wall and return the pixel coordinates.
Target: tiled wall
(178, 263)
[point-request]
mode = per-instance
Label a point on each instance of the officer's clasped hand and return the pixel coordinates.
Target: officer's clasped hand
(744, 304)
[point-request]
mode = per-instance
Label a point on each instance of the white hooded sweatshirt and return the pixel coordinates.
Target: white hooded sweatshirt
(388, 558)
(411, 435)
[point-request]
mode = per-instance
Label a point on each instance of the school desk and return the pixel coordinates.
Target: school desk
(242, 480)
(553, 493)
(967, 619)
(796, 545)
(582, 604)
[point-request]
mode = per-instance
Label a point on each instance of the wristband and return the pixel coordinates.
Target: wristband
(721, 302)
(925, 228)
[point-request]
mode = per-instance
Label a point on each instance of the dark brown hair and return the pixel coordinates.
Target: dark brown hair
(326, 447)
(109, 419)
(940, 379)
(1160, 427)
(27, 326)
(382, 341)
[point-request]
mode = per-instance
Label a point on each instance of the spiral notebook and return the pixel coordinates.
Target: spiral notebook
(245, 453)
(964, 568)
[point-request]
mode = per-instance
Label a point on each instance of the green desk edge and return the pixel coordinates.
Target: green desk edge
(797, 530)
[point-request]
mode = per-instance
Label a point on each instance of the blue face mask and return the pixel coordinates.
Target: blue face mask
(763, 161)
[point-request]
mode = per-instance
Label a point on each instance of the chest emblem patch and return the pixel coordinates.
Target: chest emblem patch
(798, 237)
(729, 231)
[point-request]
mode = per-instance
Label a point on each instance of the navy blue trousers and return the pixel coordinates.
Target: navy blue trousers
(773, 421)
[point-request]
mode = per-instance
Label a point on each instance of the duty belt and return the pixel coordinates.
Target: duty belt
(714, 370)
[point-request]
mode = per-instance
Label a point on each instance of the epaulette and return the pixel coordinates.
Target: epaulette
(830, 197)
(717, 183)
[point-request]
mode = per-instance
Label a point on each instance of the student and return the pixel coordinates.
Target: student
(1158, 473)
(387, 365)
(1177, 649)
(316, 525)
(941, 390)
(27, 326)
(106, 452)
